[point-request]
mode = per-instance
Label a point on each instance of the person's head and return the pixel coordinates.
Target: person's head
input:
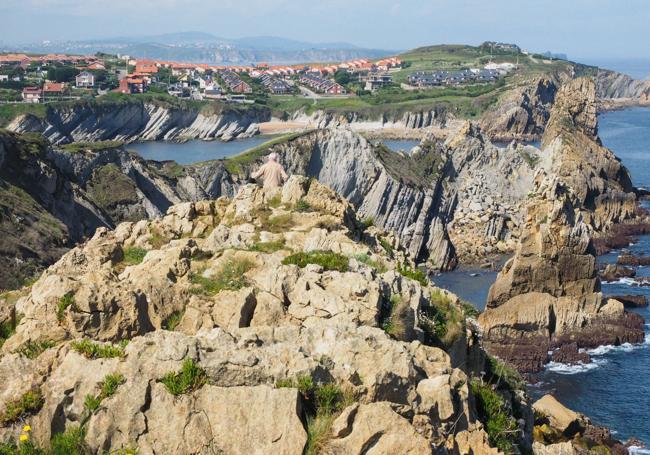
(273, 157)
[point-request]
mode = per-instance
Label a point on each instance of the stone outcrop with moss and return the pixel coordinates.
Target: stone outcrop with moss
(278, 301)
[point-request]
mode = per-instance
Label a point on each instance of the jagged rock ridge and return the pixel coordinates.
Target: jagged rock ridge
(547, 298)
(281, 322)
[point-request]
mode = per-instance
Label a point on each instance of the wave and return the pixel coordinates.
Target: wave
(635, 450)
(625, 347)
(625, 281)
(569, 369)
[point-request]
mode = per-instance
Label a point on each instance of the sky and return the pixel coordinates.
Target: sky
(579, 28)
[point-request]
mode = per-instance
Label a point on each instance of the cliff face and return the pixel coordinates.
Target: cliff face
(547, 297)
(523, 112)
(437, 117)
(262, 348)
(52, 199)
(137, 120)
(613, 85)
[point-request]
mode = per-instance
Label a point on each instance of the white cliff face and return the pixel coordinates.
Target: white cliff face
(138, 121)
(437, 117)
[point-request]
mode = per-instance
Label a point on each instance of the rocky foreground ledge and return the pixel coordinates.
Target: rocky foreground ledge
(272, 323)
(276, 322)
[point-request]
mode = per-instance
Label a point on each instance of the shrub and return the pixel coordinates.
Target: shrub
(191, 377)
(172, 321)
(326, 259)
(414, 274)
(279, 223)
(72, 442)
(379, 266)
(268, 247)
(500, 426)
(33, 349)
(133, 256)
(230, 277)
(302, 206)
(386, 246)
(328, 398)
(367, 222)
(319, 428)
(92, 402)
(65, 302)
(29, 403)
(99, 351)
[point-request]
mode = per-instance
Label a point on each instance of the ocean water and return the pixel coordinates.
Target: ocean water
(194, 151)
(614, 390)
(638, 68)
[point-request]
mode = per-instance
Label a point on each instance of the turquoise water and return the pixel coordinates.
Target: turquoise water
(194, 151)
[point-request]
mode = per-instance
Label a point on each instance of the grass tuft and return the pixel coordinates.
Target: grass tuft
(413, 274)
(173, 320)
(268, 247)
(326, 259)
(303, 206)
(65, 302)
(133, 255)
(229, 278)
(501, 427)
(33, 349)
(29, 403)
(379, 266)
(93, 350)
(191, 377)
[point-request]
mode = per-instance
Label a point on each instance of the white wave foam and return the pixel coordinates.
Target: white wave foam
(625, 347)
(635, 450)
(564, 368)
(625, 281)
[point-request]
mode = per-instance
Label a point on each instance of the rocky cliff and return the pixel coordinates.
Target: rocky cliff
(614, 86)
(547, 298)
(52, 198)
(265, 324)
(130, 119)
(522, 113)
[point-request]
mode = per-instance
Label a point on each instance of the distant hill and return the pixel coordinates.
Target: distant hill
(208, 48)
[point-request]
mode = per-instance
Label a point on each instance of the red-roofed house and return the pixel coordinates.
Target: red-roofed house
(32, 95)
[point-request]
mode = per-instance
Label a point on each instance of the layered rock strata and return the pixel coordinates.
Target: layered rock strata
(547, 298)
(133, 120)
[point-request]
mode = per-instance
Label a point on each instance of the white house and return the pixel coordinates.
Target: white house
(85, 79)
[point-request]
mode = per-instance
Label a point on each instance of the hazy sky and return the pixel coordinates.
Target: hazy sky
(580, 28)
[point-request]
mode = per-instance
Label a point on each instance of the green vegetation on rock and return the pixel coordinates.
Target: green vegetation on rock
(237, 163)
(172, 321)
(230, 277)
(32, 349)
(108, 388)
(500, 425)
(65, 302)
(190, 378)
(326, 259)
(29, 403)
(93, 350)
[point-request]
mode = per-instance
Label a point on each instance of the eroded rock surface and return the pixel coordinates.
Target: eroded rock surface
(252, 333)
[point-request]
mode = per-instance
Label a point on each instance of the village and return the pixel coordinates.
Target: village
(56, 77)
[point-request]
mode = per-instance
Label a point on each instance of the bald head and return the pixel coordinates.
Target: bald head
(273, 157)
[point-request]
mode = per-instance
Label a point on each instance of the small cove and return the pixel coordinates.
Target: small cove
(191, 152)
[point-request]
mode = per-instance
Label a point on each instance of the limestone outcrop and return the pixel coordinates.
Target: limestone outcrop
(135, 120)
(234, 326)
(547, 298)
(523, 112)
